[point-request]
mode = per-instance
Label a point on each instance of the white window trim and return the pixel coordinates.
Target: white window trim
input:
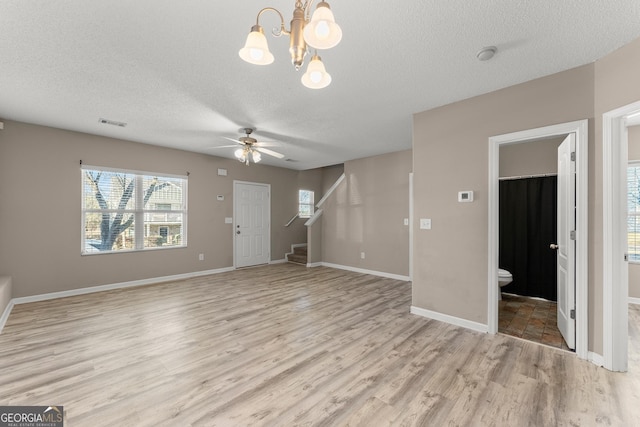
(139, 213)
(633, 163)
(312, 205)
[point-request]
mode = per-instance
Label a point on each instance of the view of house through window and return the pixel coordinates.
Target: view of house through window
(305, 203)
(124, 210)
(633, 203)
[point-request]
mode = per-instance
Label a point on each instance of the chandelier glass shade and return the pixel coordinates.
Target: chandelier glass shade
(316, 76)
(319, 31)
(256, 50)
(322, 32)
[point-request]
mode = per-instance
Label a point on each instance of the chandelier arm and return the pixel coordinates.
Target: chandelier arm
(277, 32)
(307, 9)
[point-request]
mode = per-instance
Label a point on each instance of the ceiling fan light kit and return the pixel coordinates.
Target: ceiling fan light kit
(251, 149)
(319, 31)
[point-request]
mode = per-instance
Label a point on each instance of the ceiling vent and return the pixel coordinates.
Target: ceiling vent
(112, 122)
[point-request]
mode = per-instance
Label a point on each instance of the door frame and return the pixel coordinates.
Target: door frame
(233, 228)
(580, 128)
(615, 274)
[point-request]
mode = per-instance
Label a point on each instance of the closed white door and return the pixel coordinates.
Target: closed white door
(566, 245)
(251, 224)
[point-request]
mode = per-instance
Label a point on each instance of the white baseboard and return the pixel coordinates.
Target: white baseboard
(595, 358)
(314, 264)
(633, 300)
(278, 261)
(364, 271)
(101, 288)
(457, 321)
(5, 315)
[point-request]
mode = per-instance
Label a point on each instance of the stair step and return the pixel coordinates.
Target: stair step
(298, 259)
(300, 250)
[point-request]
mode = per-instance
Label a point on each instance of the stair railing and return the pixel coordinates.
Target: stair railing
(292, 219)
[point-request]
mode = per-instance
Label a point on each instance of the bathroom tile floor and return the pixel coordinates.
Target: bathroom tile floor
(530, 319)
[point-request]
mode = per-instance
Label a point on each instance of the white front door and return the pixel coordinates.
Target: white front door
(566, 245)
(251, 224)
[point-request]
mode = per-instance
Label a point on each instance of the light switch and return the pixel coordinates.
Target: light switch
(465, 196)
(406, 221)
(222, 172)
(228, 220)
(425, 223)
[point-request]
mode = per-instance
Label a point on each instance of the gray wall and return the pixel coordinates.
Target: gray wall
(366, 213)
(531, 158)
(40, 184)
(457, 135)
(450, 154)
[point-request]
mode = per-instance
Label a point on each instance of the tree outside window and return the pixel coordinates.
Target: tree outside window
(125, 210)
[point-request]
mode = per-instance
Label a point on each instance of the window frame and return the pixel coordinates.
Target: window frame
(139, 213)
(630, 213)
(311, 204)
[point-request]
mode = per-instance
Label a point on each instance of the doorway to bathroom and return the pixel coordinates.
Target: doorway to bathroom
(528, 195)
(572, 284)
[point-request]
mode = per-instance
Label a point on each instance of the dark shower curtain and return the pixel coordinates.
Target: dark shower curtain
(528, 215)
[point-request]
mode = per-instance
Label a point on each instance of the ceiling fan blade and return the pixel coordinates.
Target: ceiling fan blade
(224, 146)
(267, 144)
(234, 140)
(270, 152)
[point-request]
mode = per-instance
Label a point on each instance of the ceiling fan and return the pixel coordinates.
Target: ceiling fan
(250, 148)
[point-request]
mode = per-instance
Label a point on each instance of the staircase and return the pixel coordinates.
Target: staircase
(299, 255)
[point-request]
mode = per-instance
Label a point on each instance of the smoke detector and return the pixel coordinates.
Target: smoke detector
(486, 53)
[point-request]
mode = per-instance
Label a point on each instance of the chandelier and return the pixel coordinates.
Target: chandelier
(319, 31)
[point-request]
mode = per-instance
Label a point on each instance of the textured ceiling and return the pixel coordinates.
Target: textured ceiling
(171, 70)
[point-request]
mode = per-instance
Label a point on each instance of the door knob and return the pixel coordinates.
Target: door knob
(553, 246)
(238, 232)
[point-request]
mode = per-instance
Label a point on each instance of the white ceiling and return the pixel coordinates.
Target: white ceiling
(171, 70)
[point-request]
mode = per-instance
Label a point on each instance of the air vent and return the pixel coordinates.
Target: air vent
(112, 122)
(290, 160)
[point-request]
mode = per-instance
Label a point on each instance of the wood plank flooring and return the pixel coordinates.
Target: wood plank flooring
(284, 345)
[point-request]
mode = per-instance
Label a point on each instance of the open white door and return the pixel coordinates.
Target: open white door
(566, 245)
(251, 224)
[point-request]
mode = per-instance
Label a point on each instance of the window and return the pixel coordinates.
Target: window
(305, 203)
(125, 210)
(633, 205)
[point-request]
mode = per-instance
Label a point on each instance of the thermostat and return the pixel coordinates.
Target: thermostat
(465, 196)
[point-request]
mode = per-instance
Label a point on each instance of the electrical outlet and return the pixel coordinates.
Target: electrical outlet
(362, 255)
(201, 257)
(406, 221)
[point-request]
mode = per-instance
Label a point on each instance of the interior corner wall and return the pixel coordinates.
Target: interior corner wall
(330, 175)
(40, 185)
(634, 155)
(366, 215)
(450, 154)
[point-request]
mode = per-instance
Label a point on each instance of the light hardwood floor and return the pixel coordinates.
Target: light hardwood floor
(286, 345)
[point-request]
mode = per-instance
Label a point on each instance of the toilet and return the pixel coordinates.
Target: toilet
(504, 278)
